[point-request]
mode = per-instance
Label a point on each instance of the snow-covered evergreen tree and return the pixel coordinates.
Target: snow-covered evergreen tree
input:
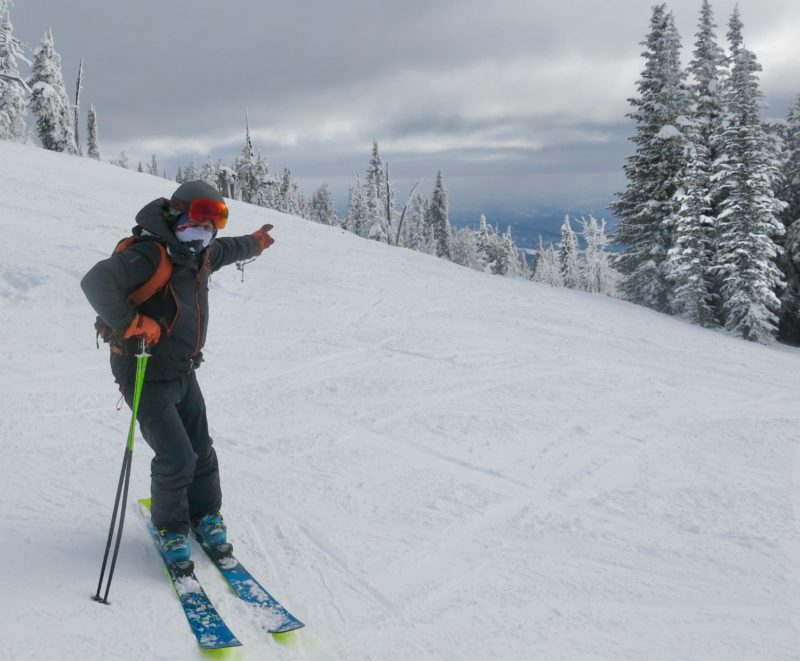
(209, 172)
(597, 274)
(49, 100)
(122, 161)
(464, 247)
(357, 216)
(288, 199)
(515, 263)
(709, 72)
(77, 108)
(252, 173)
(13, 96)
(418, 234)
(152, 167)
(749, 222)
(93, 144)
(377, 225)
(547, 269)
(691, 259)
(438, 218)
(322, 209)
(648, 207)
(790, 193)
(568, 256)
(384, 205)
(190, 172)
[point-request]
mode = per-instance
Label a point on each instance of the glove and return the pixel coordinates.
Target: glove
(143, 326)
(263, 238)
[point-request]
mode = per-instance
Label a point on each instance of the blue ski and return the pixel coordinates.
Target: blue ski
(247, 588)
(206, 623)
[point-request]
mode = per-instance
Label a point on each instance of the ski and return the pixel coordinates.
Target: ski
(248, 589)
(206, 623)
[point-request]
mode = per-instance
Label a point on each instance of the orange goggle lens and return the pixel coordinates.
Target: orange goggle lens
(204, 210)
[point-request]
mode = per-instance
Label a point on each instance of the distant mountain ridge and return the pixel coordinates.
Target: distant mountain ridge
(528, 224)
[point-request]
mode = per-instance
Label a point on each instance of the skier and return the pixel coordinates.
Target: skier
(185, 488)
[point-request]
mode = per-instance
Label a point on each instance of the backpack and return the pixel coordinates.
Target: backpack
(160, 277)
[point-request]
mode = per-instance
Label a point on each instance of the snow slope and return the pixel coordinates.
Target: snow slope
(420, 461)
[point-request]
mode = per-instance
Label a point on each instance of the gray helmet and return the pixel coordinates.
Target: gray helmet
(189, 191)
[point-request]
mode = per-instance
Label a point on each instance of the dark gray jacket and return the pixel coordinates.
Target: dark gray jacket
(180, 308)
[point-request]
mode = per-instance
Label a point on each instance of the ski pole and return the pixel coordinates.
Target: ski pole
(124, 480)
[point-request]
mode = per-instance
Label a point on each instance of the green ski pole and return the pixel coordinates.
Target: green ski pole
(124, 480)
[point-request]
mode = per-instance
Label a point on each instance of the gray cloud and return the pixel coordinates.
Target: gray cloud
(520, 101)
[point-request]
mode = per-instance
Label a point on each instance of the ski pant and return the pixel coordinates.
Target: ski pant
(184, 474)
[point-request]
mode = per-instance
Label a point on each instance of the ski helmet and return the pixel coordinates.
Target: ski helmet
(208, 200)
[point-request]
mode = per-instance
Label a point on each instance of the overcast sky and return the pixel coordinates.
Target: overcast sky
(521, 103)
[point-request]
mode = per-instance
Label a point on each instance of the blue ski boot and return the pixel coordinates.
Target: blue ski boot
(174, 545)
(211, 530)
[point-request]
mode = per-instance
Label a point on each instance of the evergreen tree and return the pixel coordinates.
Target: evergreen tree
(49, 101)
(515, 265)
(691, 259)
(77, 107)
(252, 173)
(374, 176)
(122, 161)
(377, 226)
(501, 260)
(190, 172)
(418, 234)
(486, 240)
(152, 168)
(749, 221)
(438, 218)
(597, 274)
(568, 256)
(13, 97)
(547, 269)
(140, 168)
(91, 130)
(465, 251)
(790, 194)
(494, 249)
(322, 209)
(209, 172)
(708, 71)
(357, 213)
(648, 207)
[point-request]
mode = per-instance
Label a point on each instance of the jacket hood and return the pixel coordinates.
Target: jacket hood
(154, 219)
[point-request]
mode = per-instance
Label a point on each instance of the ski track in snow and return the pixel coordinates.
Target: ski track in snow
(419, 461)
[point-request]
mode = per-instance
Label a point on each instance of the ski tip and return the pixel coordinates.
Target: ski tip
(145, 503)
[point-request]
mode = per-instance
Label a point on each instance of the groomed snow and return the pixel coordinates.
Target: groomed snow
(420, 461)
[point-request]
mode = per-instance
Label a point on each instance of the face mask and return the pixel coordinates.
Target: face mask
(196, 239)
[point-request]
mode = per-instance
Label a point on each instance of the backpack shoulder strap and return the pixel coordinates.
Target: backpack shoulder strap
(160, 276)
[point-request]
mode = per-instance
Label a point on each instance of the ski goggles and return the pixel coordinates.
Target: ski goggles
(203, 210)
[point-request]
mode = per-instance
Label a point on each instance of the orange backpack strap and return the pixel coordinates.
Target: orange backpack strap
(160, 276)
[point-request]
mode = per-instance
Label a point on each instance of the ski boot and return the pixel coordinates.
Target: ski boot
(175, 549)
(212, 534)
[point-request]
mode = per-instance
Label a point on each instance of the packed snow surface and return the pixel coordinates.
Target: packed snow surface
(418, 460)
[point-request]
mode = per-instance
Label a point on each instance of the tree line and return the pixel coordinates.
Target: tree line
(709, 217)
